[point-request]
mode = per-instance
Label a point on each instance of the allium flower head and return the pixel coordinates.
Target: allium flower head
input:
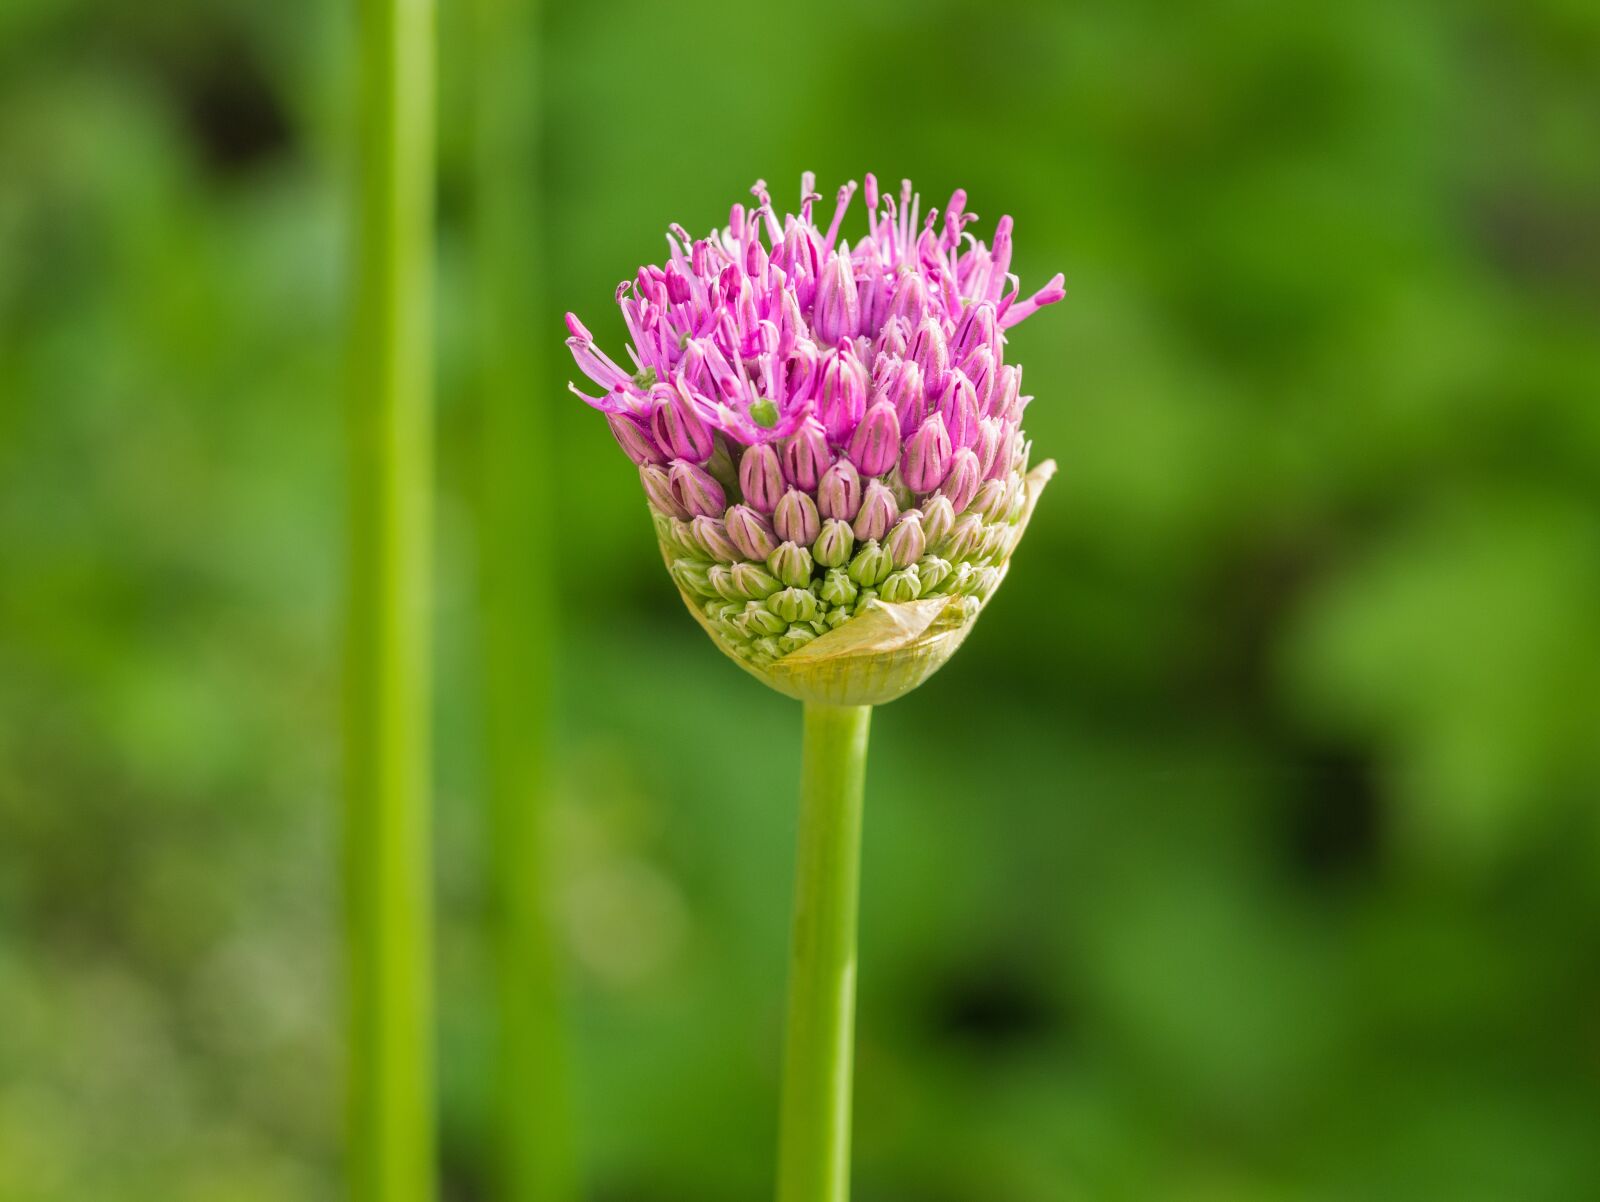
(828, 435)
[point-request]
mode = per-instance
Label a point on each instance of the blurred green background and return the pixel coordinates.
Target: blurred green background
(1247, 853)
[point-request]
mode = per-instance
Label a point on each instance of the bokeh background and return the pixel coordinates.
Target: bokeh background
(1248, 852)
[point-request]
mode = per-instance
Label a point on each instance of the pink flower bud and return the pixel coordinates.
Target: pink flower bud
(931, 355)
(751, 532)
(677, 425)
(962, 483)
(760, 477)
(799, 253)
(695, 490)
(958, 404)
(839, 492)
(634, 440)
(796, 519)
(926, 460)
(893, 339)
(979, 367)
(1005, 454)
(905, 393)
(878, 512)
(658, 487)
(842, 396)
(873, 290)
(1003, 402)
(976, 328)
(806, 455)
(790, 324)
(990, 431)
(910, 301)
(838, 306)
(677, 286)
(875, 445)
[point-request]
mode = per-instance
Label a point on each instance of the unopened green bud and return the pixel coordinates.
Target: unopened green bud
(834, 544)
(906, 542)
(791, 563)
(721, 466)
(903, 496)
(990, 499)
(962, 541)
(902, 586)
(932, 572)
(682, 539)
(712, 535)
(937, 519)
(751, 580)
(721, 577)
(765, 611)
(759, 620)
(793, 604)
(870, 565)
(796, 637)
(838, 588)
(692, 574)
(995, 543)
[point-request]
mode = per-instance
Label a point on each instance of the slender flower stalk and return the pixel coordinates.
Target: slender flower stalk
(814, 1123)
(387, 844)
(830, 441)
(533, 1157)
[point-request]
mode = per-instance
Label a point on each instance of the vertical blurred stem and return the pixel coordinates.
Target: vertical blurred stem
(387, 846)
(814, 1124)
(534, 1158)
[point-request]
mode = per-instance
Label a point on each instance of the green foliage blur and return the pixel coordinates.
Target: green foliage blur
(1248, 851)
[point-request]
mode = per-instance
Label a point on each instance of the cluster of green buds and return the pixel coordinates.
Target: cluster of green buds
(830, 440)
(782, 568)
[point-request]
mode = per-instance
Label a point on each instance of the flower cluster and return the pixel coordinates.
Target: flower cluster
(823, 428)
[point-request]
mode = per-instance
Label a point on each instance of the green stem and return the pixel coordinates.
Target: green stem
(814, 1127)
(387, 845)
(533, 1130)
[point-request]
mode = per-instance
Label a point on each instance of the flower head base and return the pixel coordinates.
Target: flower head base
(829, 436)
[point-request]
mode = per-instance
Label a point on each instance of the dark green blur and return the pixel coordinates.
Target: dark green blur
(1248, 852)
